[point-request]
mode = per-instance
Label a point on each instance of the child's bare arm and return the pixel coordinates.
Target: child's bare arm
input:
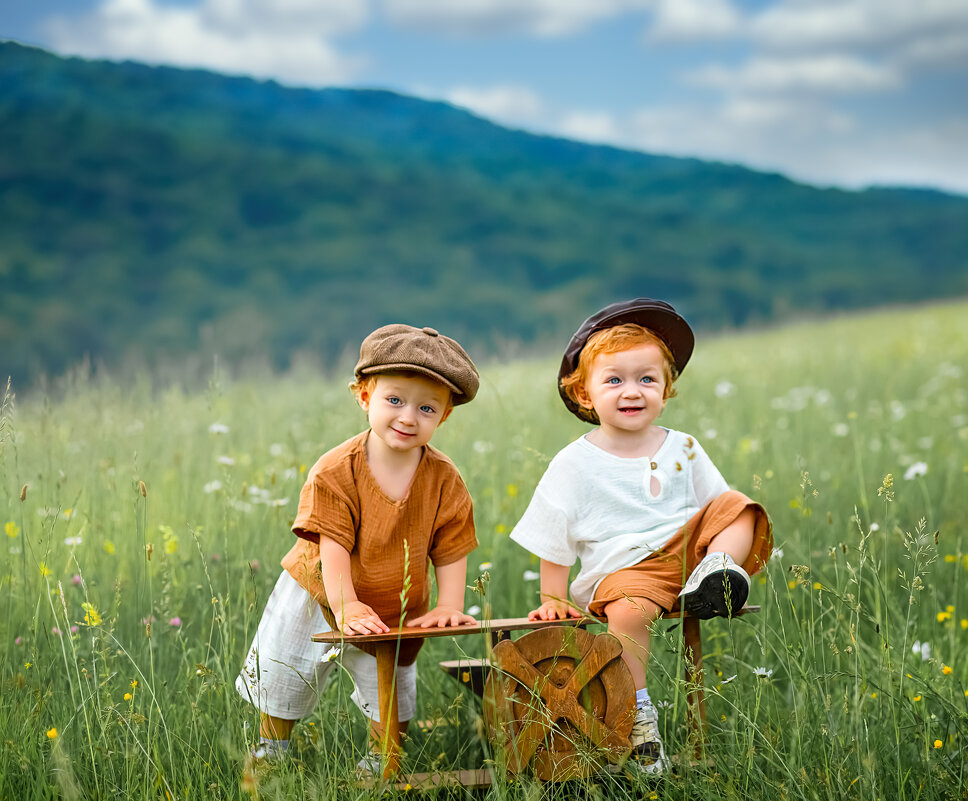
(554, 594)
(352, 615)
(450, 598)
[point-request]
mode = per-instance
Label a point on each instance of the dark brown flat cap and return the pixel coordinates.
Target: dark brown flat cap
(420, 350)
(656, 315)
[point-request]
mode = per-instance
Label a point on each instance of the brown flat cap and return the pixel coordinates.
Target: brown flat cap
(420, 350)
(656, 315)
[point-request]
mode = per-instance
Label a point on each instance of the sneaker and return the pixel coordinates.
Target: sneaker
(260, 762)
(369, 766)
(718, 587)
(647, 755)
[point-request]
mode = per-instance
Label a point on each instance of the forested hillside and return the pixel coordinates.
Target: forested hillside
(161, 212)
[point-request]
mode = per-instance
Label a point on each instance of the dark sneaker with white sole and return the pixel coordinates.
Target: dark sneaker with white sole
(718, 587)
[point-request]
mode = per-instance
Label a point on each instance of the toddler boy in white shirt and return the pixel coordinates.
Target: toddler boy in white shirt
(643, 508)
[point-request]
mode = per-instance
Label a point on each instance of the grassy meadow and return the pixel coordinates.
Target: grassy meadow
(144, 525)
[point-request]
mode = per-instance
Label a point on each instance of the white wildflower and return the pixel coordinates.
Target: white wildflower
(762, 672)
(212, 486)
(710, 433)
(925, 443)
(777, 553)
(821, 397)
(875, 527)
(218, 428)
(915, 470)
(279, 502)
(228, 461)
(728, 679)
(73, 541)
(922, 648)
(482, 446)
(485, 566)
(841, 430)
(474, 610)
(275, 449)
(724, 388)
(331, 654)
(531, 575)
(897, 410)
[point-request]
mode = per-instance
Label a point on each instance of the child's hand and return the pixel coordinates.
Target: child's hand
(554, 609)
(357, 618)
(441, 617)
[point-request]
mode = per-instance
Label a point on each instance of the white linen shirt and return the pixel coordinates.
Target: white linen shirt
(599, 508)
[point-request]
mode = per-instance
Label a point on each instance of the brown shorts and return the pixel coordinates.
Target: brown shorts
(660, 576)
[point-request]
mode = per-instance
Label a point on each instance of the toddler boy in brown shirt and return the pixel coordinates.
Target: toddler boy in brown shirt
(367, 503)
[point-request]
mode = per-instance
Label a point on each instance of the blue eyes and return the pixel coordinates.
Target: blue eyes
(393, 400)
(615, 380)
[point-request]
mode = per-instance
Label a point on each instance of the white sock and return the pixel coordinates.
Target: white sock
(642, 699)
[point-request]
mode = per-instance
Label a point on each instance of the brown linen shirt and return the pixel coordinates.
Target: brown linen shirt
(343, 501)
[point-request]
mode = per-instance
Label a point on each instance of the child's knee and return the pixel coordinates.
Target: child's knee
(632, 610)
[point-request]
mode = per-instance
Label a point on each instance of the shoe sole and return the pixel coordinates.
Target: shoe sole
(720, 594)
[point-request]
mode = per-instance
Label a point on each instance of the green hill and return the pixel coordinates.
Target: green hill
(157, 213)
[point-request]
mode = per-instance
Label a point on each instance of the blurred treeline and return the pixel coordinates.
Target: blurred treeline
(160, 214)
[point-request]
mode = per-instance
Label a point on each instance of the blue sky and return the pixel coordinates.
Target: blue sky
(834, 92)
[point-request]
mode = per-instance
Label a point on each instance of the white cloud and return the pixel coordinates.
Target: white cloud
(284, 39)
(516, 105)
(546, 18)
(589, 126)
(832, 74)
(687, 20)
(814, 24)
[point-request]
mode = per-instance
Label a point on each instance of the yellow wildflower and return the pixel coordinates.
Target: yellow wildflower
(943, 616)
(792, 583)
(127, 696)
(817, 585)
(512, 490)
(916, 698)
(946, 669)
(11, 528)
(51, 734)
(109, 547)
(91, 616)
(938, 743)
(500, 528)
(949, 608)
(44, 570)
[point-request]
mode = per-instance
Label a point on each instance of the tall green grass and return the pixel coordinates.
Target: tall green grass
(143, 528)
